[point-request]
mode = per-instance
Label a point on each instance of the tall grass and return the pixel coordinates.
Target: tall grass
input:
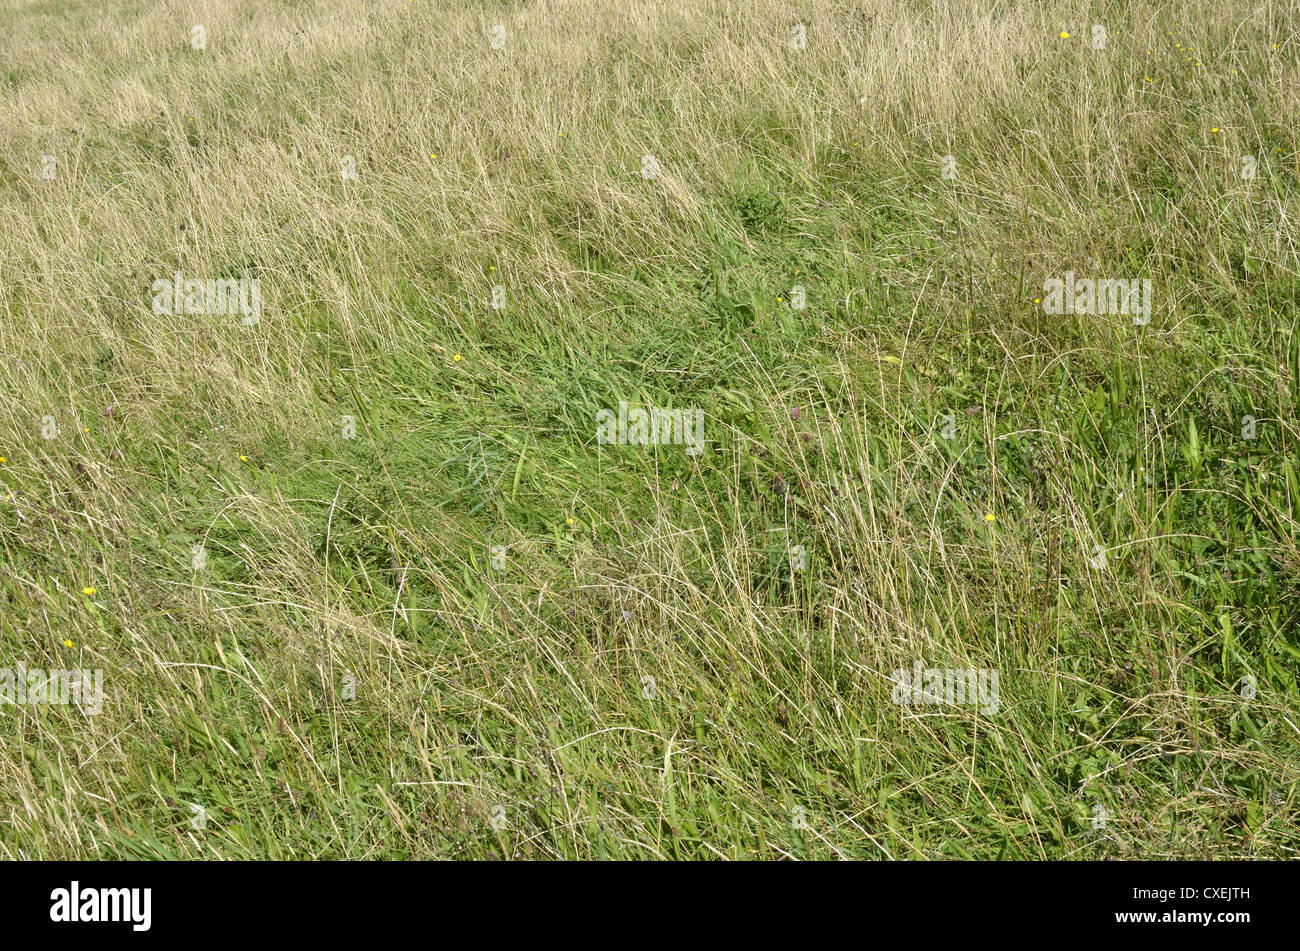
(1067, 500)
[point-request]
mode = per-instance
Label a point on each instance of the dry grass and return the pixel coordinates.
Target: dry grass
(337, 563)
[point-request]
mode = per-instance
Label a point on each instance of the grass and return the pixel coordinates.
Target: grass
(1071, 501)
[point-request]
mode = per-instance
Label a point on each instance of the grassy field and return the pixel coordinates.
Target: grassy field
(363, 575)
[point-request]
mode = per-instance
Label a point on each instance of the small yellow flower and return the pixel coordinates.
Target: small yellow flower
(570, 521)
(243, 458)
(1064, 35)
(1038, 300)
(1215, 129)
(433, 155)
(3, 460)
(67, 643)
(990, 517)
(1148, 79)
(87, 591)
(456, 358)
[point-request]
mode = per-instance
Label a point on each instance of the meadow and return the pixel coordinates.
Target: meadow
(421, 556)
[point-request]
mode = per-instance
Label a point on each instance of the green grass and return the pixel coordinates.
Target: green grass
(350, 677)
